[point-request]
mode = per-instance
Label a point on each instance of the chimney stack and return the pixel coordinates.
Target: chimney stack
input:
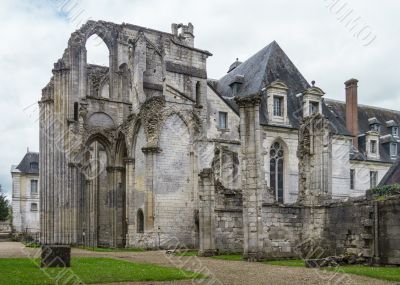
(352, 109)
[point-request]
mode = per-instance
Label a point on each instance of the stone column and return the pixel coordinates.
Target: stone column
(150, 153)
(252, 176)
(129, 194)
(206, 213)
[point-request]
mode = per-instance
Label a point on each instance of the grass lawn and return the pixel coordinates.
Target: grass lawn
(24, 271)
(289, 262)
(108, 249)
(187, 253)
(384, 273)
(234, 257)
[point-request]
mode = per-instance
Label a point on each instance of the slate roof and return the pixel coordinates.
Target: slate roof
(25, 165)
(393, 175)
(264, 67)
(365, 114)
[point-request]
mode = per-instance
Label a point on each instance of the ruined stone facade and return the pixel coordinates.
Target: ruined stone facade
(149, 152)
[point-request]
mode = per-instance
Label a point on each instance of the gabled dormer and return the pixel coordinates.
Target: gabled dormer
(374, 124)
(390, 145)
(393, 128)
(372, 144)
(277, 102)
(312, 101)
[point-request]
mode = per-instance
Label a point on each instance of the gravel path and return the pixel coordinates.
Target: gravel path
(220, 271)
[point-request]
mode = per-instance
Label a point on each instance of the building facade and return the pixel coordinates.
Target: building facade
(150, 152)
(25, 194)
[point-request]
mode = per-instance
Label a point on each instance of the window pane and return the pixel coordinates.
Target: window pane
(278, 108)
(34, 185)
(222, 120)
(352, 178)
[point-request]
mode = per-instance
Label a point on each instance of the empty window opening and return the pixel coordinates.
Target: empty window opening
(140, 221)
(97, 51)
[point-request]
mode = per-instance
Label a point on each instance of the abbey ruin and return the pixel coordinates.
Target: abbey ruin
(149, 152)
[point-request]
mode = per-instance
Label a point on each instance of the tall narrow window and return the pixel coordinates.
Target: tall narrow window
(278, 106)
(198, 97)
(140, 221)
(276, 171)
(373, 177)
(223, 120)
(352, 179)
(76, 106)
(373, 147)
(314, 108)
(34, 186)
(393, 149)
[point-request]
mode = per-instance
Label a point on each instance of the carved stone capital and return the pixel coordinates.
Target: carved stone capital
(249, 100)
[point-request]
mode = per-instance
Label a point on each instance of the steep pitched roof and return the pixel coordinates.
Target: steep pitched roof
(392, 176)
(365, 113)
(264, 67)
(25, 166)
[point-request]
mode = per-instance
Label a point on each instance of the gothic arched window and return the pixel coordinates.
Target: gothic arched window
(140, 221)
(276, 170)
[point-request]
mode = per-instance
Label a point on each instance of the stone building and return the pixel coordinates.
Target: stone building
(25, 194)
(150, 152)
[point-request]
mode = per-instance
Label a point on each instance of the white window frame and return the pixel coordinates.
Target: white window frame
(220, 115)
(33, 181)
(373, 146)
(393, 149)
(278, 112)
(313, 107)
(373, 178)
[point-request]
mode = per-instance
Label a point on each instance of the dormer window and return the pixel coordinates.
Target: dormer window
(314, 108)
(277, 103)
(393, 149)
(375, 127)
(34, 165)
(373, 146)
(395, 132)
(278, 106)
(374, 124)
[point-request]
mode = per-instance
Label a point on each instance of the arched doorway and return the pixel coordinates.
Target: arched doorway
(277, 170)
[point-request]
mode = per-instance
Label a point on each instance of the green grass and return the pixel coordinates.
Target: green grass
(288, 262)
(233, 257)
(109, 249)
(24, 271)
(186, 253)
(384, 273)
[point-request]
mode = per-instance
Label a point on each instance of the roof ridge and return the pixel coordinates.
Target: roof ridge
(364, 105)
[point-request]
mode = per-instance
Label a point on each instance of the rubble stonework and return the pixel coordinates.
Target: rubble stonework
(149, 152)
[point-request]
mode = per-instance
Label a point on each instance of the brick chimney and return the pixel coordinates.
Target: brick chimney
(352, 109)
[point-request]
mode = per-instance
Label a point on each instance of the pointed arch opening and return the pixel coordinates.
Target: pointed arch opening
(97, 52)
(277, 175)
(140, 221)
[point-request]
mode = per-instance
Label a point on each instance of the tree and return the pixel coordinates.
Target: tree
(4, 206)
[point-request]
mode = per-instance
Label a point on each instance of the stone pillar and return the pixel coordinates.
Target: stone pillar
(252, 176)
(206, 213)
(129, 194)
(150, 153)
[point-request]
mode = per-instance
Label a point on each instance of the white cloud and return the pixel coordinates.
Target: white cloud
(35, 34)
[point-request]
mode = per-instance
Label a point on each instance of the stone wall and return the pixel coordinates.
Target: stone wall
(229, 231)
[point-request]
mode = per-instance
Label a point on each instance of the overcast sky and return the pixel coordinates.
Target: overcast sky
(324, 44)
